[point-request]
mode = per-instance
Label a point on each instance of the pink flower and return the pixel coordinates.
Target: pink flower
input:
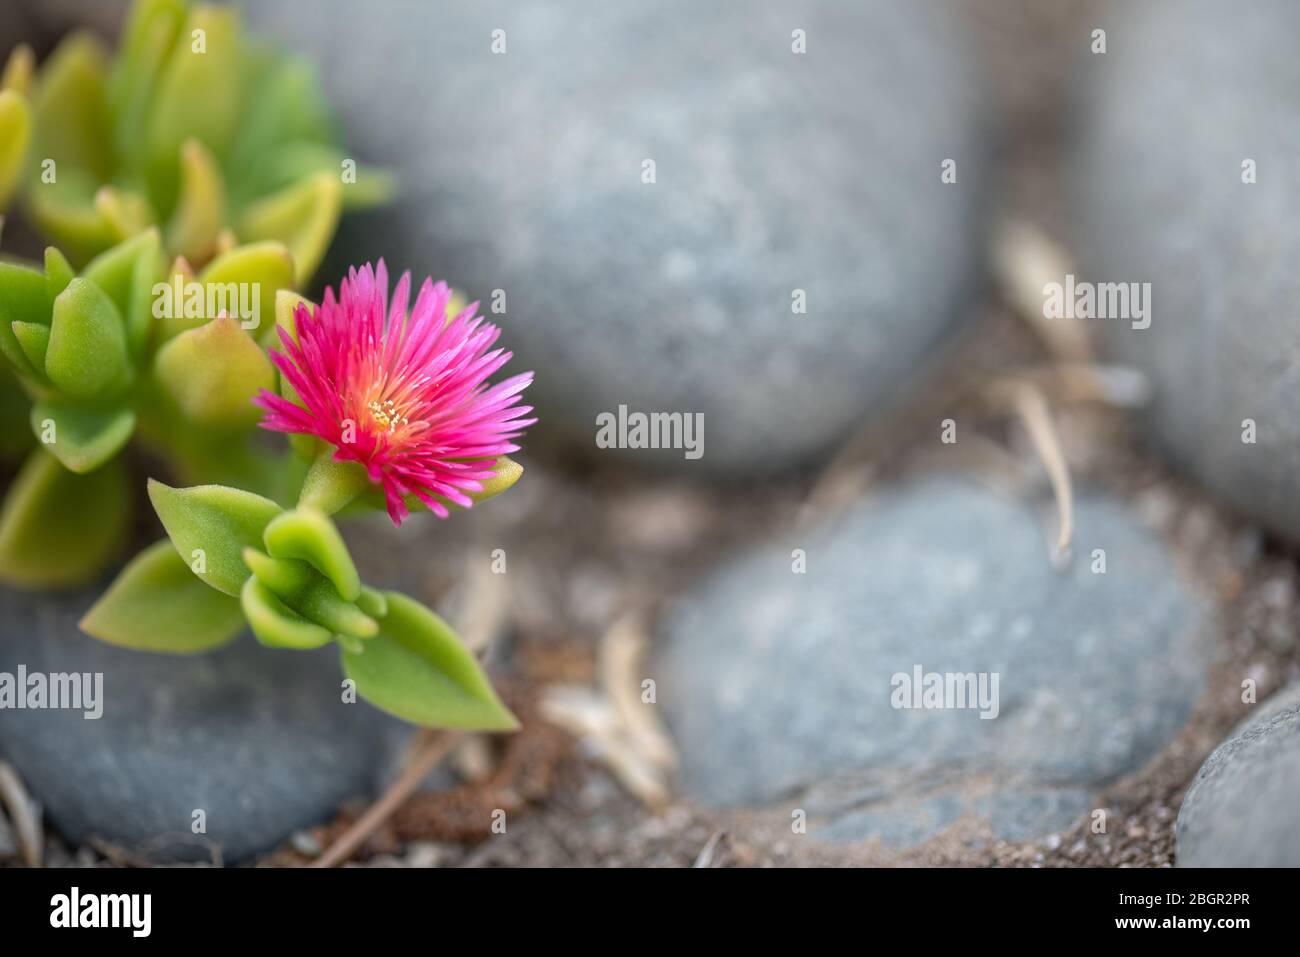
(407, 397)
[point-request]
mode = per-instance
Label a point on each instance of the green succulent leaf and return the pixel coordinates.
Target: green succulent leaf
(201, 209)
(125, 213)
(305, 591)
(289, 106)
(58, 273)
(15, 134)
(58, 528)
(70, 107)
(419, 670)
(66, 211)
(156, 604)
(18, 70)
(34, 339)
(367, 188)
(87, 356)
(23, 298)
(276, 624)
(212, 374)
(113, 271)
(332, 484)
(303, 216)
(264, 268)
(211, 525)
(16, 438)
(372, 602)
(309, 535)
(198, 95)
(505, 473)
(147, 40)
(286, 303)
(193, 124)
(82, 437)
(320, 602)
(284, 576)
(24, 294)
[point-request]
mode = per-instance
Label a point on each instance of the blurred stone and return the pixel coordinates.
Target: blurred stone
(1241, 809)
(1187, 93)
(258, 739)
(779, 686)
(774, 172)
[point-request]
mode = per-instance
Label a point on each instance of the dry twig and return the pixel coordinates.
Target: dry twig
(622, 730)
(431, 747)
(24, 815)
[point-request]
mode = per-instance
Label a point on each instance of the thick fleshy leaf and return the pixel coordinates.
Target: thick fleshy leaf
(59, 529)
(19, 70)
(198, 95)
(252, 276)
(289, 106)
(201, 208)
(125, 212)
(212, 374)
(276, 624)
(147, 40)
(34, 339)
(364, 187)
(505, 473)
(173, 311)
(23, 294)
(286, 304)
(82, 437)
(419, 670)
(320, 602)
(114, 269)
(65, 211)
(87, 356)
(70, 108)
(58, 272)
(23, 298)
(332, 484)
(373, 602)
(309, 535)
(145, 279)
(304, 217)
(16, 438)
(284, 576)
(15, 134)
(211, 525)
(156, 604)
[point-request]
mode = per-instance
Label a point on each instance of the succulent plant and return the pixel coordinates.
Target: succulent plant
(199, 147)
(194, 127)
(15, 120)
(235, 560)
(129, 348)
(395, 412)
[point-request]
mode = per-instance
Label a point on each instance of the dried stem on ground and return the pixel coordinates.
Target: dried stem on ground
(614, 721)
(24, 816)
(431, 747)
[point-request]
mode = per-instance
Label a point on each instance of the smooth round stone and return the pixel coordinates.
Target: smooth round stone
(1187, 93)
(1241, 809)
(774, 172)
(780, 686)
(259, 740)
